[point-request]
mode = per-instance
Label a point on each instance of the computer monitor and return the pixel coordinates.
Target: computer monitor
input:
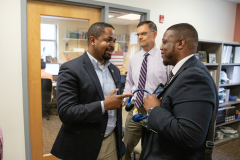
(52, 68)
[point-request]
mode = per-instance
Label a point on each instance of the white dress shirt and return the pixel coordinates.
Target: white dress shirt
(107, 83)
(157, 72)
(180, 63)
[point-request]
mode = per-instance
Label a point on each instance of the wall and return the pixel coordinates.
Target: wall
(213, 19)
(11, 108)
(237, 25)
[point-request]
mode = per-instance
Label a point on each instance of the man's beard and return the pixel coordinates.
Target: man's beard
(165, 63)
(106, 57)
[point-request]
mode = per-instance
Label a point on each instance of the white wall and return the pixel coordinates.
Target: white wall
(11, 107)
(213, 19)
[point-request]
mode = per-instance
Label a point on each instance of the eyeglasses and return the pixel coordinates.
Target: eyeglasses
(143, 33)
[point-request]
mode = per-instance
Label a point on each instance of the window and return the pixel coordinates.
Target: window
(48, 40)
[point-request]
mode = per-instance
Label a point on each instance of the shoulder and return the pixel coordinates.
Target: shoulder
(72, 63)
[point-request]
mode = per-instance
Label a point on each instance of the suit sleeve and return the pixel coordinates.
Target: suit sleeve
(192, 103)
(67, 100)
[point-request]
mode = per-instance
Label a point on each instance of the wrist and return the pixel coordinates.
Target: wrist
(149, 111)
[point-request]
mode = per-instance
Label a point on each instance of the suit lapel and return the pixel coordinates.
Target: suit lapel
(186, 65)
(114, 75)
(92, 73)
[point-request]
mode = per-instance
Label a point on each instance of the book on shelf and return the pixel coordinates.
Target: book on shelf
(123, 38)
(213, 73)
(203, 56)
(118, 47)
(117, 58)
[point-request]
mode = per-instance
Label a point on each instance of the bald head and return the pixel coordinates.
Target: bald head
(188, 33)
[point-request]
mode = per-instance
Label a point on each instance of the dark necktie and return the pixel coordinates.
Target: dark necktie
(169, 78)
(142, 81)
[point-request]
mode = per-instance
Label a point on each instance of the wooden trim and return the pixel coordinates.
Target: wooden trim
(34, 11)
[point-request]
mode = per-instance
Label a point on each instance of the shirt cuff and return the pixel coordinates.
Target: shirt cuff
(103, 109)
(125, 100)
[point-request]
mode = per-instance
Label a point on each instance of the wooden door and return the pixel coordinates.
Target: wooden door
(34, 11)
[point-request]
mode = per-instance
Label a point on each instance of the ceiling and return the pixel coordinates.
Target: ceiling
(115, 20)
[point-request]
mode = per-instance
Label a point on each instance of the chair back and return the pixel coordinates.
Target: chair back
(46, 90)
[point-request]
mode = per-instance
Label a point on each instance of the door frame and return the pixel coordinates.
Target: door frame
(145, 15)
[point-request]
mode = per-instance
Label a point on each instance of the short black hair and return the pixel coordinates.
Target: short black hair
(187, 32)
(151, 25)
(97, 29)
(43, 65)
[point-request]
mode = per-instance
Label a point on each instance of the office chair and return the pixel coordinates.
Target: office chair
(46, 95)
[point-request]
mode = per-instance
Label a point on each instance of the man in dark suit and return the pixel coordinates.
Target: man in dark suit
(178, 123)
(87, 102)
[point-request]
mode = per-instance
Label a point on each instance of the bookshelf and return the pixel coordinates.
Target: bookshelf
(218, 48)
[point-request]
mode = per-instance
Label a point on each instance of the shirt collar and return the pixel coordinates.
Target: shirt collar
(152, 52)
(95, 62)
(180, 63)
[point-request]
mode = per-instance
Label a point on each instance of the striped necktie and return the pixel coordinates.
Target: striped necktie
(169, 78)
(142, 81)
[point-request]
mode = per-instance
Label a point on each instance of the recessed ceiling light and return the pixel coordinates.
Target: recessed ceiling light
(110, 16)
(130, 16)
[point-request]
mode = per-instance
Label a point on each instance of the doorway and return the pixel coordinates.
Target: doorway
(61, 49)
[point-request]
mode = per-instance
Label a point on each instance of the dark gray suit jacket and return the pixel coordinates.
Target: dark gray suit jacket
(79, 96)
(177, 129)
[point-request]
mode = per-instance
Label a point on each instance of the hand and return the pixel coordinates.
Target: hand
(151, 101)
(114, 101)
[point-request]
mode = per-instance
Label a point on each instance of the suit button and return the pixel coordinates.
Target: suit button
(102, 134)
(105, 116)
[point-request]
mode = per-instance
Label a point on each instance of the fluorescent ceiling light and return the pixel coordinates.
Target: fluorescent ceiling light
(110, 16)
(130, 16)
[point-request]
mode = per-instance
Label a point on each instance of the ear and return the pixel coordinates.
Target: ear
(181, 43)
(92, 40)
(154, 34)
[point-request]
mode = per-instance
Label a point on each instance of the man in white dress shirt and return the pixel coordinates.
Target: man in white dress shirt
(155, 73)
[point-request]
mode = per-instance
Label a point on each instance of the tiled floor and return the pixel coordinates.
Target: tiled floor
(229, 151)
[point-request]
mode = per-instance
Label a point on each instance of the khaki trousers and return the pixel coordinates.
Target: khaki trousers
(133, 132)
(108, 149)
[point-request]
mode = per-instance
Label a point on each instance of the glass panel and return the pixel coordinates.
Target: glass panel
(125, 24)
(48, 48)
(48, 31)
(70, 43)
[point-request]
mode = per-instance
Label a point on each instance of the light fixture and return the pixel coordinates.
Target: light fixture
(130, 16)
(110, 16)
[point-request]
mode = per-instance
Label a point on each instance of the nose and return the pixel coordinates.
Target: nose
(161, 47)
(112, 44)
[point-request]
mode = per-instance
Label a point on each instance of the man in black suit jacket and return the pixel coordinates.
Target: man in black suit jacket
(87, 103)
(178, 123)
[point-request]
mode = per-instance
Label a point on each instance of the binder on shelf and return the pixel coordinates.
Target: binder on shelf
(234, 74)
(226, 54)
(236, 58)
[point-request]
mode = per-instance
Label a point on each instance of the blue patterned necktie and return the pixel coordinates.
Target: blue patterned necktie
(142, 81)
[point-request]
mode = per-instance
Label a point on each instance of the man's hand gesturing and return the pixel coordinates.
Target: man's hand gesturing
(114, 101)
